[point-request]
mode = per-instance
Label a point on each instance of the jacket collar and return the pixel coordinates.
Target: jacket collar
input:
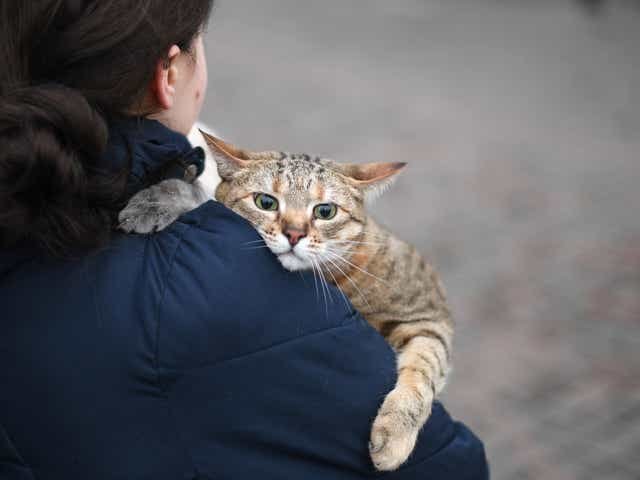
(150, 151)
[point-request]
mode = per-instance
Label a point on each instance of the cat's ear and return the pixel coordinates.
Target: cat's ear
(372, 178)
(229, 159)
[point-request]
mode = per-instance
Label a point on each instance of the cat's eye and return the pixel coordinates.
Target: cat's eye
(265, 202)
(325, 211)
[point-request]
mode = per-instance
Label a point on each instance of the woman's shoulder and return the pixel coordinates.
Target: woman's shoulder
(226, 296)
(238, 334)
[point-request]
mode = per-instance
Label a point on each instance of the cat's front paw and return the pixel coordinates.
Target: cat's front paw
(155, 208)
(395, 429)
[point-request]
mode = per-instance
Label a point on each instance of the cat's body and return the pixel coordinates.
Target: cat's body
(310, 213)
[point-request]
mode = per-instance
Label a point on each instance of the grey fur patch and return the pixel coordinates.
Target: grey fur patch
(158, 206)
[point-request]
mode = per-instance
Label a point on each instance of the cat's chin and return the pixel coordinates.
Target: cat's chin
(292, 262)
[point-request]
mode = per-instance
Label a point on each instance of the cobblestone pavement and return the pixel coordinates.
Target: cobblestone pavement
(521, 123)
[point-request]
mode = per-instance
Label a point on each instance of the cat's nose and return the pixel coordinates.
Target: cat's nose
(294, 236)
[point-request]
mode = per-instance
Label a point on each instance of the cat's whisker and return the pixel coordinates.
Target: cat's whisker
(342, 252)
(335, 282)
(324, 296)
(320, 264)
(349, 246)
(366, 235)
(356, 242)
(315, 280)
(355, 285)
(345, 250)
(254, 241)
(324, 279)
(356, 267)
(350, 281)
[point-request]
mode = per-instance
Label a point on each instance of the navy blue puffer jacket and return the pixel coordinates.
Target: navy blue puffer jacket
(186, 355)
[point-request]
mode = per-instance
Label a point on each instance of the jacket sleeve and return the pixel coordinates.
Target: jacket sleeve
(266, 376)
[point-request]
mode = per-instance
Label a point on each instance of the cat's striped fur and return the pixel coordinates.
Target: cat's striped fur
(386, 279)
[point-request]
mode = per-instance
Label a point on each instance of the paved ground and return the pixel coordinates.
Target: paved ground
(521, 121)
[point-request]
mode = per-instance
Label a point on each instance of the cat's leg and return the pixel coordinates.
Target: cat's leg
(156, 207)
(423, 363)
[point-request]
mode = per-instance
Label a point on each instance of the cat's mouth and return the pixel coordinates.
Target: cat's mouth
(292, 258)
(293, 262)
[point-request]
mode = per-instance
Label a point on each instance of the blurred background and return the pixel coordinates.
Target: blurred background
(521, 123)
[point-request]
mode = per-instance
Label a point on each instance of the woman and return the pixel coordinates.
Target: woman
(178, 355)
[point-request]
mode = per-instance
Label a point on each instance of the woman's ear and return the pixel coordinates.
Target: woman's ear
(165, 79)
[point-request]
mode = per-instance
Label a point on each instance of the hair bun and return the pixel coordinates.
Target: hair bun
(51, 137)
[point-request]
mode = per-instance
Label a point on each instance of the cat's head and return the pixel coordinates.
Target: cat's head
(307, 209)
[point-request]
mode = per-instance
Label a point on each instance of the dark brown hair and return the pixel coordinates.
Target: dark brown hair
(66, 66)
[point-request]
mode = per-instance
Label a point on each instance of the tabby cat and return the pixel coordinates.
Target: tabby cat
(311, 214)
